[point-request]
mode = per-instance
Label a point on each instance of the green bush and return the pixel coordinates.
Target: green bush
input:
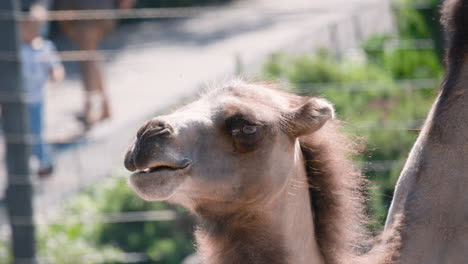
(67, 242)
(402, 62)
(5, 253)
(60, 245)
(416, 18)
(167, 242)
(80, 234)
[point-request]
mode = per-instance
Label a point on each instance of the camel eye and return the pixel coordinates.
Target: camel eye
(249, 130)
(245, 134)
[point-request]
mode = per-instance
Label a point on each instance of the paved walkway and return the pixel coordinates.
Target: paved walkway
(156, 64)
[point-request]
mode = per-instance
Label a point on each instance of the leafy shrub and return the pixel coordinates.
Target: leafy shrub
(66, 243)
(5, 253)
(61, 244)
(402, 62)
(79, 233)
(167, 242)
(417, 18)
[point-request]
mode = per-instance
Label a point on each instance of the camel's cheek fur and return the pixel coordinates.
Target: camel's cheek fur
(225, 176)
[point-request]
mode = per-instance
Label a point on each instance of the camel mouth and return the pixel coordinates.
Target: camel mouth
(159, 181)
(161, 168)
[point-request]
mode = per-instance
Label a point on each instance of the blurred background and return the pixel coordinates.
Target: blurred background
(378, 61)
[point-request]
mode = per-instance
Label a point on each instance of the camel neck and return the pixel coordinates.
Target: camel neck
(434, 180)
(430, 198)
(278, 232)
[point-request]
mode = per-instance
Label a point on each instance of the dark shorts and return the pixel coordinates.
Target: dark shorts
(85, 4)
(97, 28)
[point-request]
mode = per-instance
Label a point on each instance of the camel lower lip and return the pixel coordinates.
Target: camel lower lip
(160, 184)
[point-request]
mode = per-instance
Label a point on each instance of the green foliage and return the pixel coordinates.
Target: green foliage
(67, 242)
(404, 62)
(408, 64)
(167, 242)
(367, 95)
(414, 18)
(420, 20)
(5, 253)
(61, 245)
(81, 234)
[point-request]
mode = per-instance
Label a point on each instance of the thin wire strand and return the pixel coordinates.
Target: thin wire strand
(147, 13)
(127, 257)
(88, 55)
(121, 217)
(402, 84)
(95, 14)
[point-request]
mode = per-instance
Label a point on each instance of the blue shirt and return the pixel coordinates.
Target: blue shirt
(37, 64)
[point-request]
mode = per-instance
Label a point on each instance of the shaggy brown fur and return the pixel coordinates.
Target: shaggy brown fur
(337, 191)
(240, 238)
(336, 197)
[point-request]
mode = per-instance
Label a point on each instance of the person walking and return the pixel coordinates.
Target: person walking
(40, 64)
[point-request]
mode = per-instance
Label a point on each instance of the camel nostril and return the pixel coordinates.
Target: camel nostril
(154, 127)
(159, 124)
(159, 132)
(158, 127)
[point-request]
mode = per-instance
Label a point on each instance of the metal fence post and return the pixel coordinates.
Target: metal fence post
(19, 194)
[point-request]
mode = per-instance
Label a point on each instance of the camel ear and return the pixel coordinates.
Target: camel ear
(309, 117)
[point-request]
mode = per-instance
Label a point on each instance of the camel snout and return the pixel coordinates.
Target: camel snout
(154, 147)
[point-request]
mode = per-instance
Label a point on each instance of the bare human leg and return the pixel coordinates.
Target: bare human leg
(87, 36)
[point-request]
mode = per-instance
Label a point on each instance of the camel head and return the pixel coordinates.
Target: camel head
(235, 146)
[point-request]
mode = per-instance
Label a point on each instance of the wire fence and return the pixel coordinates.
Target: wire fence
(162, 12)
(186, 12)
(122, 217)
(77, 168)
(405, 84)
(110, 14)
(101, 55)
